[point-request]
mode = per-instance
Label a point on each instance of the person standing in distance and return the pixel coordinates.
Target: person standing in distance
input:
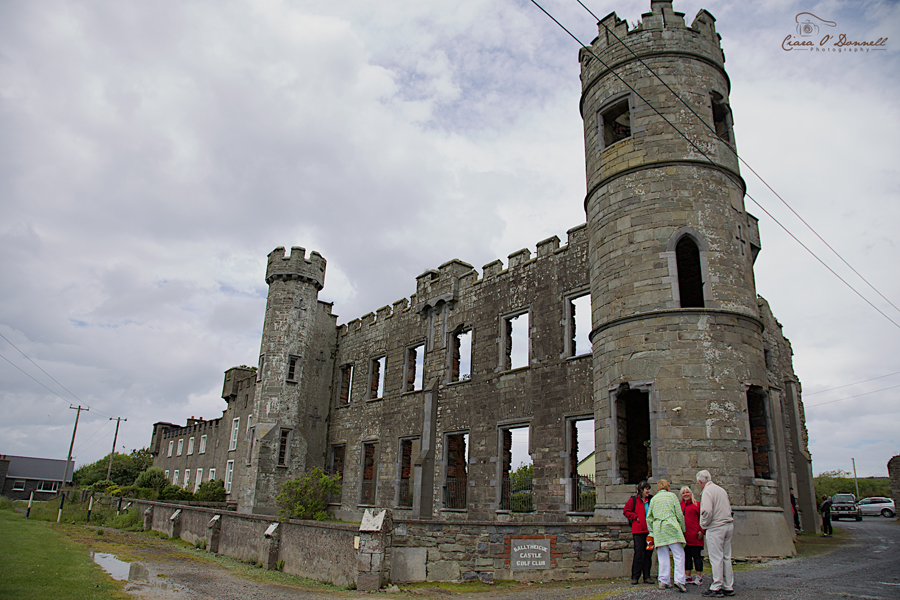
(717, 521)
(825, 507)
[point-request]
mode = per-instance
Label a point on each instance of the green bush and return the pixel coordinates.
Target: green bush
(102, 485)
(154, 477)
(6, 503)
(125, 468)
(175, 493)
(307, 496)
(211, 491)
(830, 483)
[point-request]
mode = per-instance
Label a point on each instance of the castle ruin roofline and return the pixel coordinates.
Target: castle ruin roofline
(296, 266)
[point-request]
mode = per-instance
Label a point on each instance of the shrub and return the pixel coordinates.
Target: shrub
(211, 491)
(102, 485)
(154, 477)
(6, 503)
(306, 497)
(174, 492)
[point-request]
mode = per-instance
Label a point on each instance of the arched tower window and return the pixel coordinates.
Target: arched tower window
(690, 275)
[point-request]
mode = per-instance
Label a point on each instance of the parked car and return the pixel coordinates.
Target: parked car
(843, 506)
(877, 506)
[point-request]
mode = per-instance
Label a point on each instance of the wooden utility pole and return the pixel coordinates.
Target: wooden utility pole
(62, 494)
(115, 437)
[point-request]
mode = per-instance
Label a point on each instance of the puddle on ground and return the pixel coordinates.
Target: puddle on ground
(119, 569)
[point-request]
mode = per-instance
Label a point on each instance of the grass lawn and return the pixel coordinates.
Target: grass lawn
(38, 562)
(811, 544)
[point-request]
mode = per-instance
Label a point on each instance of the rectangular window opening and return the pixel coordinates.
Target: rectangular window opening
(175, 478)
(187, 478)
(616, 123)
(171, 447)
(202, 449)
(212, 474)
(48, 486)
(198, 480)
(581, 465)
(759, 433)
(235, 427)
(337, 468)
(251, 438)
(409, 450)
(518, 471)
(376, 379)
(722, 120)
(346, 384)
(369, 473)
(167, 474)
(293, 367)
(229, 473)
(461, 357)
(284, 447)
(456, 487)
(190, 446)
(633, 435)
(516, 341)
(580, 325)
(415, 367)
(19, 485)
(180, 446)
(262, 365)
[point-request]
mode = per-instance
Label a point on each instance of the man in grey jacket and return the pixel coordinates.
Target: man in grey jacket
(716, 519)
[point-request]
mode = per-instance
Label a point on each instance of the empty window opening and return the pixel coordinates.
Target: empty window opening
(516, 493)
(690, 278)
(180, 446)
(633, 435)
(409, 449)
(616, 123)
(722, 120)
(337, 468)
(202, 445)
(346, 384)
(293, 368)
(251, 438)
(580, 325)
(262, 365)
(457, 471)
(415, 367)
(284, 447)
(369, 473)
(235, 427)
(516, 341)
(190, 446)
(198, 480)
(175, 477)
(171, 446)
(759, 433)
(581, 465)
(187, 478)
(461, 357)
(212, 474)
(376, 380)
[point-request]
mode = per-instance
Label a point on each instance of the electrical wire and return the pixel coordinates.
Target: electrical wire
(726, 172)
(852, 397)
(738, 156)
(808, 394)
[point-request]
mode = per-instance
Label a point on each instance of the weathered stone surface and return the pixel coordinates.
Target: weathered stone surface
(408, 564)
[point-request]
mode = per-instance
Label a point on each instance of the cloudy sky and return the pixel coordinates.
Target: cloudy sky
(153, 153)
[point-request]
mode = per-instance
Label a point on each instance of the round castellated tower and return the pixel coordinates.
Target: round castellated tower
(677, 339)
(287, 433)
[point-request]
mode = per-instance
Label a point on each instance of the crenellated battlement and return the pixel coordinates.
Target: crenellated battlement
(448, 281)
(296, 266)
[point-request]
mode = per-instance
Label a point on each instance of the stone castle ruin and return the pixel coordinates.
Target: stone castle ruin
(417, 404)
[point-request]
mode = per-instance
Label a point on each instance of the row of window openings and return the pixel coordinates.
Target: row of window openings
(43, 486)
(232, 444)
(516, 352)
(614, 121)
(198, 478)
(516, 489)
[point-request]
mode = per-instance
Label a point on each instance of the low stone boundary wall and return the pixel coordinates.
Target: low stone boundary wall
(320, 551)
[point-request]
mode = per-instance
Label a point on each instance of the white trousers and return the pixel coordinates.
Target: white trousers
(662, 560)
(718, 546)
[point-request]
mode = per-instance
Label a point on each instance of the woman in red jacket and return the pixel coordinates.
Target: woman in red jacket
(636, 513)
(693, 535)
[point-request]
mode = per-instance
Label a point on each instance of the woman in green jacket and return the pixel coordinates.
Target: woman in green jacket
(666, 524)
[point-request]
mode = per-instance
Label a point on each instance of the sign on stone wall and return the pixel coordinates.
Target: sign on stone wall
(529, 555)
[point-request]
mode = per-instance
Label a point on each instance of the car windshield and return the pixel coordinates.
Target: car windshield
(844, 498)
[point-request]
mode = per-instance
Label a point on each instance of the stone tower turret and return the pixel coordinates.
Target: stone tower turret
(678, 364)
(288, 432)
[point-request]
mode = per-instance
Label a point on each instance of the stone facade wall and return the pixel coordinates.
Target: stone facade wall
(894, 474)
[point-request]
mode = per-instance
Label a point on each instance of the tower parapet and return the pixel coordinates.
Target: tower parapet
(296, 266)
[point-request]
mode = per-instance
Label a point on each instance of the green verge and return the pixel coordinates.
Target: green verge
(37, 562)
(811, 544)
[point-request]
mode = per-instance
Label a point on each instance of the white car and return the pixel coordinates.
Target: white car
(876, 506)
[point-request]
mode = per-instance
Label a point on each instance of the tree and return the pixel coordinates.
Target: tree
(829, 483)
(175, 492)
(125, 468)
(307, 496)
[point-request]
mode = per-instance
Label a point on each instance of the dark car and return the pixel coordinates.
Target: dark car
(843, 506)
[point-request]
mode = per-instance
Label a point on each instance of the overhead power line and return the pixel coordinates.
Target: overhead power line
(852, 397)
(808, 394)
(707, 157)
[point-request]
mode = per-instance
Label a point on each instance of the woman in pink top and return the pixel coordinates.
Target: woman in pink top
(693, 535)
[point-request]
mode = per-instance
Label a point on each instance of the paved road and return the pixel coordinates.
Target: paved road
(868, 567)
